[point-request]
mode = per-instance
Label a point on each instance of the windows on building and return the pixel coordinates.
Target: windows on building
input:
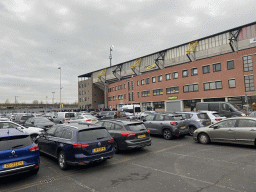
(247, 60)
(194, 71)
(158, 92)
(145, 93)
(120, 97)
(114, 98)
(80, 99)
(132, 85)
(115, 88)
(85, 98)
(147, 81)
(153, 79)
(216, 67)
(232, 83)
(249, 83)
(172, 90)
(110, 98)
(159, 105)
(185, 73)
(133, 98)
(138, 94)
(160, 78)
(190, 88)
(129, 95)
(230, 65)
(206, 69)
(124, 96)
(124, 86)
(118, 87)
(121, 86)
(212, 85)
(142, 81)
(175, 75)
(168, 76)
(138, 83)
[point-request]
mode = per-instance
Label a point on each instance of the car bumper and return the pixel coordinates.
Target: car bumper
(140, 144)
(181, 132)
(91, 159)
(17, 170)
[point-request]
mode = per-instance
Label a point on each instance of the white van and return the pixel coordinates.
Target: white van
(62, 117)
(135, 109)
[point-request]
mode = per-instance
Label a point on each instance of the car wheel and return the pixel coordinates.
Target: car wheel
(204, 138)
(33, 137)
(167, 134)
(62, 161)
(191, 130)
(115, 147)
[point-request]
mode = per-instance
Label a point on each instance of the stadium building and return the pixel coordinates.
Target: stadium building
(219, 67)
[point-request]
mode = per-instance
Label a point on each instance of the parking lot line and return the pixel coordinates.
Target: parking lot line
(186, 177)
(82, 185)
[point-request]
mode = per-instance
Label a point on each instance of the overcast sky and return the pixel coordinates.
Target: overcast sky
(37, 37)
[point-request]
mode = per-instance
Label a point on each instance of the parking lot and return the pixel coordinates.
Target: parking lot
(167, 165)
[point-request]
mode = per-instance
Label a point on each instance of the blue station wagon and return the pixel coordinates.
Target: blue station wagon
(76, 144)
(18, 153)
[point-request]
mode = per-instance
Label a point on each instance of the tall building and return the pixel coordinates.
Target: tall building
(220, 67)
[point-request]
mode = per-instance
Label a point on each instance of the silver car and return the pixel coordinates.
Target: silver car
(240, 130)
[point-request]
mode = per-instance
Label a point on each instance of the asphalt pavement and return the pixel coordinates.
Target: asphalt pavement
(166, 165)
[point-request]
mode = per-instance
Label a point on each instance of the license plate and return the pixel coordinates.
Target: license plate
(94, 120)
(14, 164)
(99, 149)
(141, 136)
(67, 119)
(183, 127)
(207, 122)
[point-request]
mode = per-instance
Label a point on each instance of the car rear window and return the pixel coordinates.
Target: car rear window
(173, 117)
(216, 114)
(135, 127)
(8, 143)
(92, 134)
(202, 116)
(25, 117)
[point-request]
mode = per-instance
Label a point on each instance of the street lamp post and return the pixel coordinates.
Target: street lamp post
(110, 56)
(53, 98)
(60, 86)
(16, 101)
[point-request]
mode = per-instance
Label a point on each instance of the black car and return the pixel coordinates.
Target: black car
(24, 118)
(76, 144)
(127, 134)
(169, 125)
(41, 122)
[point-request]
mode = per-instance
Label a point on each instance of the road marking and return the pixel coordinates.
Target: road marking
(186, 177)
(82, 185)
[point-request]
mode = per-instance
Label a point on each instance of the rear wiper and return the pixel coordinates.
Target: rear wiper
(17, 146)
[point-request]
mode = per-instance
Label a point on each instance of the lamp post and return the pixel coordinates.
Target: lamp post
(53, 98)
(60, 86)
(110, 56)
(16, 101)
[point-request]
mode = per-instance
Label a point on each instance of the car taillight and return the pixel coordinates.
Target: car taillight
(88, 120)
(34, 148)
(217, 119)
(111, 140)
(98, 119)
(173, 123)
(126, 134)
(80, 145)
(64, 120)
(148, 131)
(52, 120)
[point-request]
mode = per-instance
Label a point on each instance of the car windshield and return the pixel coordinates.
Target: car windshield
(235, 106)
(8, 143)
(136, 127)
(92, 134)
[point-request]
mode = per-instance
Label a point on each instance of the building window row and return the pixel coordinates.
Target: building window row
(212, 85)
(172, 90)
(157, 92)
(190, 88)
(145, 93)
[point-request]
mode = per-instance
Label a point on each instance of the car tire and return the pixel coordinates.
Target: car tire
(191, 130)
(167, 134)
(116, 150)
(203, 138)
(62, 161)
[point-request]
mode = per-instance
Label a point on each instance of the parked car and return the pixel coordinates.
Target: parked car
(127, 134)
(84, 119)
(252, 114)
(18, 153)
(224, 108)
(195, 120)
(32, 131)
(24, 118)
(167, 125)
(61, 117)
(240, 130)
(41, 122)
(145, 113)
(107, 115)
(76, 144)
(214, 116)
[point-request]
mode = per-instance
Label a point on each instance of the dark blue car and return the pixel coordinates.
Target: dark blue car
(18, 153)
(76, 144)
